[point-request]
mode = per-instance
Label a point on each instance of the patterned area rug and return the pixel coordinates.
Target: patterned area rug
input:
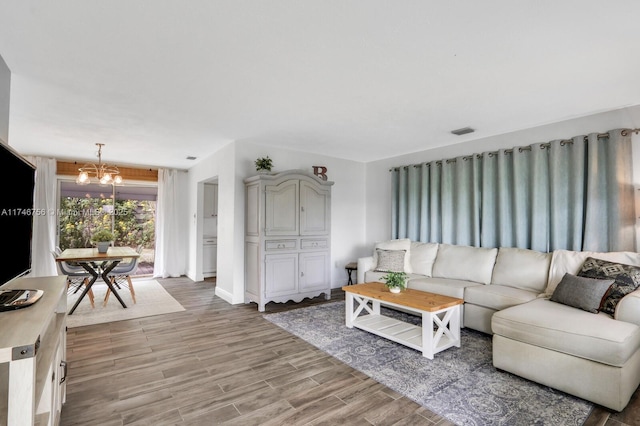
(460, 384)
(151, 299)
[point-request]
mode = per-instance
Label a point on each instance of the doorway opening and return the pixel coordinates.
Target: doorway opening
(129, 211)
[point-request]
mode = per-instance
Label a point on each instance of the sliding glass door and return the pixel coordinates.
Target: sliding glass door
(129, 211)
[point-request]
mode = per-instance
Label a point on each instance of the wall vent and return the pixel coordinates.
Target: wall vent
(463, 131)
(191, 157)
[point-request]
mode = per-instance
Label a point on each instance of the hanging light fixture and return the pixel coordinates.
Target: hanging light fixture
(104, 173)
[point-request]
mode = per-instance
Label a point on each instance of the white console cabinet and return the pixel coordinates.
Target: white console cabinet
(287, 237)
(32, 356)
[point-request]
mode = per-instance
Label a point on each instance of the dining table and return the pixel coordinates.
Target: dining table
(97, 265)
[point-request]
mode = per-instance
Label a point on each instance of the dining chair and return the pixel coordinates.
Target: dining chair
(121, 276)
(77, 276)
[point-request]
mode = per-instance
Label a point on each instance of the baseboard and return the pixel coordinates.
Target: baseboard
(224, 295)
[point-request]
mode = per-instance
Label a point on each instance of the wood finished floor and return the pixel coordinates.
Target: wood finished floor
(216, 363)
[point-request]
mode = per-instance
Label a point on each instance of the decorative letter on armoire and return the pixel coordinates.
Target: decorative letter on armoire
(287, 237)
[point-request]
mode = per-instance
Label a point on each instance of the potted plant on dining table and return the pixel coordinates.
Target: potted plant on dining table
(102, 239)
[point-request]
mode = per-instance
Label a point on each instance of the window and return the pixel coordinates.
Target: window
(128, 210)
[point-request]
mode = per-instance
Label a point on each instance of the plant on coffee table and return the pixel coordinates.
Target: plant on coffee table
(395, 281)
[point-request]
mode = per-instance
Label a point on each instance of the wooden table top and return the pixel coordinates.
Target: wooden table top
(416, 299)
(91, 254)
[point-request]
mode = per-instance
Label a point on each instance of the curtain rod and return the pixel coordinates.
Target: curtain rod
(563, 142)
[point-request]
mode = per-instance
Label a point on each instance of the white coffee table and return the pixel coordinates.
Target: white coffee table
(440, 328)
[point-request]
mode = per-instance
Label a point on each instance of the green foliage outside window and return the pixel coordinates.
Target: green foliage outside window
(134, 221)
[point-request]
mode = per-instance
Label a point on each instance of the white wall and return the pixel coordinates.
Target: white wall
(221, 165)
(5, 90)
(347, 198)
(378, 226)
(360, 196)
(235, 162)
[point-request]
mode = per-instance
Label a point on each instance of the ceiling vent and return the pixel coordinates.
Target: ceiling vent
(463, 131)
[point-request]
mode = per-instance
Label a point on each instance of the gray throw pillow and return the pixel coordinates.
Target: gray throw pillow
(390, 260)
(626, 279)
(582, 293)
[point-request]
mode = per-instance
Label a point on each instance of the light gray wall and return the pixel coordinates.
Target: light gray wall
(347, 198)
(5, 90)
(360, 196)
(220, 166)
(378, 189)
(235, 162)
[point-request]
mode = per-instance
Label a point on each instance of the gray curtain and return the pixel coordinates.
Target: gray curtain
(567, 194)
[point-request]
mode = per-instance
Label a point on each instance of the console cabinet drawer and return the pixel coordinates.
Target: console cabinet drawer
(309, 243)
(280, 245)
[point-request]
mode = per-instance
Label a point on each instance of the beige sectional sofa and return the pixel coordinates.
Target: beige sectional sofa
(506, 292)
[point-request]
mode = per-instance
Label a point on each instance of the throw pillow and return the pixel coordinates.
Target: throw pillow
(581, 292)
(398, 244)
(626, 279)
(390, 260)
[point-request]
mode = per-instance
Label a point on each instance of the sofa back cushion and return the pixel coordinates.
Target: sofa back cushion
(399, 244)
(465, 263)
(422, 257)
(567, 261)
(521, 268)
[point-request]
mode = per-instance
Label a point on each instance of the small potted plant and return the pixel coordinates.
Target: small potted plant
(395, 281)
(102, 239)
(264, 164)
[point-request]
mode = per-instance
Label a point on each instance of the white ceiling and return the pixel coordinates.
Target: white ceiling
(160, 80)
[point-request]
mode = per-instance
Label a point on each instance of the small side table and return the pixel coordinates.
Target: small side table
(351, 266)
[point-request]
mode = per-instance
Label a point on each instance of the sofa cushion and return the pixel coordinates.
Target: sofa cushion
(572, 331)
(626, 280)
(521, 268)
(465, 263)
(445, 286)
(563, 261)
(581, 292)
(497, 297)
(373, 276)
(399, 244)
(422, 257)
(390, 260)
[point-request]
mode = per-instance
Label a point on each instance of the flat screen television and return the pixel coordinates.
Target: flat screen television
(16, 214)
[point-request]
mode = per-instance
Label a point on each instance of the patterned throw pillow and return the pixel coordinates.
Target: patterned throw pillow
(627, 279)
(390, 260)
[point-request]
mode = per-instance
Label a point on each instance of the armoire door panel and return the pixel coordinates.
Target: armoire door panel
(281, 208)
(252, 216)
(281, 274)
(315, 210)
(314, 269)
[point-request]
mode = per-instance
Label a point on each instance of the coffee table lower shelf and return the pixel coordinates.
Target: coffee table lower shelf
(440, 315)
(399, 331)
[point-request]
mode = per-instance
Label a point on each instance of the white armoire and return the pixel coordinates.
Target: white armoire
(287, 237)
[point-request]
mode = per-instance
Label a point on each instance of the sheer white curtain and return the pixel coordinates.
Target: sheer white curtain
(566, 194)
(170, 258)
(43, 240)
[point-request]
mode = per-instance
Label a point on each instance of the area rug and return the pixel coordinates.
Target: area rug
(151, 299)
(460, 384)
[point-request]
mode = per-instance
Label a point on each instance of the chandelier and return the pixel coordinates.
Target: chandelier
(104, 173)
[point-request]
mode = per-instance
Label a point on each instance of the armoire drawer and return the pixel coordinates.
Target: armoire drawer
(280, 245)
(313, 243)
